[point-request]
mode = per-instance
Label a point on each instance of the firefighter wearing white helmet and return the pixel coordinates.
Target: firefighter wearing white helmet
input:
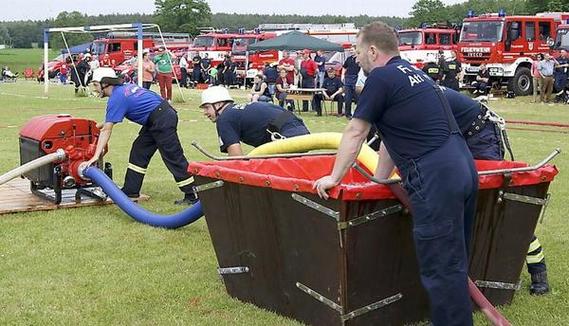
(254, 123)
(159, 124)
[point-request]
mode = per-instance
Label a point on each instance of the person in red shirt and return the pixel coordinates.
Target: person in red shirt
(308, 70)
(63, 70)
(287, 63)
(107, 62)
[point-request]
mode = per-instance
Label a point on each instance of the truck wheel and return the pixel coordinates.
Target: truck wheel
(521, 83)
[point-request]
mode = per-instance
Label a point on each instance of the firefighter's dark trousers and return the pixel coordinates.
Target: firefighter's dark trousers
(159, 133)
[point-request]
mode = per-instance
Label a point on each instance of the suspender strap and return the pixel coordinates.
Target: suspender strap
(453, 126)
(276, 124)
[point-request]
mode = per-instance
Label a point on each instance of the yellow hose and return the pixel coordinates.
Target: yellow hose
(324, 140)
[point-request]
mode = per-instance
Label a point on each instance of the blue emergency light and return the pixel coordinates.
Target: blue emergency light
(470, 13)
(502, 13)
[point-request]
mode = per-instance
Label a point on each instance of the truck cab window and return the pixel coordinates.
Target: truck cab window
(115, 47)
(544, 30)
(516, 30)
(444, 39)
(530, 31)
(430, 38)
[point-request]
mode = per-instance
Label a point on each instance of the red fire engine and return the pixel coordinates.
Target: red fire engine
(507, 45)
(421, 45)
(257, 60)
(215, 44)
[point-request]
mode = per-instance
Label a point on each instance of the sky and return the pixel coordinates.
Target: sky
(43, 9)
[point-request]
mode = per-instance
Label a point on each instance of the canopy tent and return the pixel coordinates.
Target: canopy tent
(294, 41)
(81, 48)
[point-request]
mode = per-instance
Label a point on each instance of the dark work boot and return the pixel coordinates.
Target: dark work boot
(539, 284)
(189, 199)
(130, 195)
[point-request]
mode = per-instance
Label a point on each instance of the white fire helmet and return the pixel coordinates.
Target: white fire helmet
(215, 94)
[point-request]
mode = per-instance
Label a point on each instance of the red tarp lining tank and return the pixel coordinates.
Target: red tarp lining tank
(299, 174)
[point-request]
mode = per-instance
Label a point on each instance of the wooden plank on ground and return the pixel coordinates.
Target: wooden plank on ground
(16, 197)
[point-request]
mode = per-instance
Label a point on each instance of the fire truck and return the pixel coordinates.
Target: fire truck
(216, 44)
(257, 60)
(421, 45)
(507, 45)
(121, 46)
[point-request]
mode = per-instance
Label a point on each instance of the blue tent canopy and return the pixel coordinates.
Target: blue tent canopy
(81, 48)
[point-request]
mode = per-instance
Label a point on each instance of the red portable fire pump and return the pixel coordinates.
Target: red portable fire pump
(75, 140)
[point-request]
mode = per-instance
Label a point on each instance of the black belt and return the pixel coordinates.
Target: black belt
(478, 124)
(161, 108)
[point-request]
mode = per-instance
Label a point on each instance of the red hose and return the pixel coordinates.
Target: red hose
(486, 307)
(539, 123)
(541, 130)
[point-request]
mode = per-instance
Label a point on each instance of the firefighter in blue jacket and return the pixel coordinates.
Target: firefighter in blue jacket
(159, 132)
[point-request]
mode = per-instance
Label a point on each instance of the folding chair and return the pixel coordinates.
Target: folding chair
(28, 73)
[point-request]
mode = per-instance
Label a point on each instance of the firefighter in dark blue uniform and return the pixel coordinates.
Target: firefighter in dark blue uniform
(159, 124)
(254, 123)
(350, 77)
(451, 72)
(483, 131)
(421, 135)
(334, 90)
(433, 70)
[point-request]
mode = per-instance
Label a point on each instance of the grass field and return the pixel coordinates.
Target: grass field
(19, 59)
(98, 266)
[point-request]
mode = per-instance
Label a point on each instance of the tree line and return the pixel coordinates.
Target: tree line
(24, 34)
(190, 16)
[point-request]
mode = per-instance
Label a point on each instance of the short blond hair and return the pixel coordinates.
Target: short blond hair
(381, 35)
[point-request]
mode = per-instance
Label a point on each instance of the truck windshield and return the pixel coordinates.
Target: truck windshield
(562, 39)
(98, 47)
(203, 41)
(240, 44)
(410, 38)
(482, 31)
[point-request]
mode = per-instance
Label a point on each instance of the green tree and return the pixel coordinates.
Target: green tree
(182, 15)
(4, 35)
(69, 19)
(428, 11)
(557, 5)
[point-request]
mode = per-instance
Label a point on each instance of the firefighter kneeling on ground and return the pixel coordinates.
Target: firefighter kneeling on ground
(254, 123)
(159, 132)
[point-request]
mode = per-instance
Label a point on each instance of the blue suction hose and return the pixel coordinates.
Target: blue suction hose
(138, 213)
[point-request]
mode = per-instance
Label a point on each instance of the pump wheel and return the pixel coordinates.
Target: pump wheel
(521, 83)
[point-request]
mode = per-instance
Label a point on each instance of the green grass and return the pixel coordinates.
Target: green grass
(19, 59)
(98, 266)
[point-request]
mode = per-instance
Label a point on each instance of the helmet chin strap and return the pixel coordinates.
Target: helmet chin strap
(220, 108)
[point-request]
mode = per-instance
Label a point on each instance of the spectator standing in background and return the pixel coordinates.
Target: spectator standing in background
(163, 61)
(148, 70)
(536, 75)
(321, 62)
(349, 77)
(184, 71)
